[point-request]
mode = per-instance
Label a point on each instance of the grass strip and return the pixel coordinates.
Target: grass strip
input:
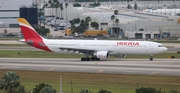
(44, 54)
(113, 82)
(14, 45)
(10, 38)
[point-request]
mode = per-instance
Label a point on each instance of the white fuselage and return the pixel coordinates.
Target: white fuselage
(115, 47)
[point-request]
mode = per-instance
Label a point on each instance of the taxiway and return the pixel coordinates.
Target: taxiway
(164, 67)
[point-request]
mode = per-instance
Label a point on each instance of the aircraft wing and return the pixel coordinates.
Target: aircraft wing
(89, 51)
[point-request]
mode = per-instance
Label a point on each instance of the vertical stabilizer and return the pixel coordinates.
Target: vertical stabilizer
(27, 30)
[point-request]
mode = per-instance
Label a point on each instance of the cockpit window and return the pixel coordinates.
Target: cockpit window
(161, 46)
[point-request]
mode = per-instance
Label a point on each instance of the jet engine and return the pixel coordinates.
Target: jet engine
(102, 54)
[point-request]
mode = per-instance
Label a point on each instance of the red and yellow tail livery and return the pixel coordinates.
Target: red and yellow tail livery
(31, 36)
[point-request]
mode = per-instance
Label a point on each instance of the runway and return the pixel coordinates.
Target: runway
(164, 67)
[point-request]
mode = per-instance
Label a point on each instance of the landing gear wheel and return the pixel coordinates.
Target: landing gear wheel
(151, 58)
(87, 59)
(93, 58)
(83, 59)
(97, 59)
(90, 59)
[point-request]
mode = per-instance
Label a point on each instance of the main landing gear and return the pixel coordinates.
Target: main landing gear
(151, 58)
(90, 59)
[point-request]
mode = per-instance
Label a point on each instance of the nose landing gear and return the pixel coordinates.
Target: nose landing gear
(151, 58)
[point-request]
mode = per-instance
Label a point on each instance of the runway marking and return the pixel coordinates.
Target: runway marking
(153, 73)
(51, 69)
(100, 71)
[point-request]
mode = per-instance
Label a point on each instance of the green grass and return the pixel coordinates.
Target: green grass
(44, 54)
(35, 54)
(14, 45)
(10, 38)
(112, 82)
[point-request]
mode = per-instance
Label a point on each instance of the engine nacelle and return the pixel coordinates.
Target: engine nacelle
(102, 54)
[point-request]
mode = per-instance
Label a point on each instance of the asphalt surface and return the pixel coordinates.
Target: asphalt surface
(164, 67)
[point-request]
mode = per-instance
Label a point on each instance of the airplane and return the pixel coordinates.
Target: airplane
(97, 49)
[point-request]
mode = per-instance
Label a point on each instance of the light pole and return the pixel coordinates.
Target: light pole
(71, 87)
(60, 84)
(137, 85)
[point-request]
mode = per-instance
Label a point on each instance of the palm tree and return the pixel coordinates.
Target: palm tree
(47, 89)
(95, 25)
(85, 91)
(56, 5)
(135, 6)
(112, 18)
(116, 13)
(117, 21)
(61, 7)
(10, 81)
(87, 20)
(50, 4)
(103, 91)
(45, 6)
(66, 11)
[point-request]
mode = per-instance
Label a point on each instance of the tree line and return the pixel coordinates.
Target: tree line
(10, 83)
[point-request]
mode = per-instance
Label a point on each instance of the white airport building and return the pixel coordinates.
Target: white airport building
(132, 23)
(139, 24)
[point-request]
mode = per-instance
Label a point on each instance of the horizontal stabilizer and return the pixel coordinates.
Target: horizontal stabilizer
(22, 40)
